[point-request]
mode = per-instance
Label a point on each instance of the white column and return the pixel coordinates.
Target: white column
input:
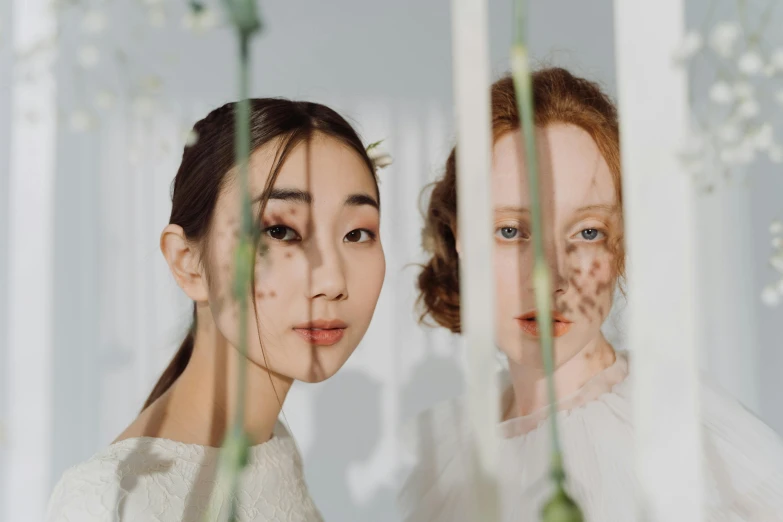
(659, 201)
(474, 157)
(30, 247)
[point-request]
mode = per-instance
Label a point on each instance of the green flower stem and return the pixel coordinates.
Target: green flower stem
(244, 16)
(560, 508)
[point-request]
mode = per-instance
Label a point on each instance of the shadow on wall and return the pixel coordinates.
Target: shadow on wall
(347, 428)
(435, 379)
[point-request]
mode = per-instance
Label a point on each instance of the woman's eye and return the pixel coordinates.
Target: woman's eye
(508, 233)
(360, 235)
(282, 233)
(592, 234)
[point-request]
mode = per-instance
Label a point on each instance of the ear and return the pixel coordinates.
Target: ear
(184, 262)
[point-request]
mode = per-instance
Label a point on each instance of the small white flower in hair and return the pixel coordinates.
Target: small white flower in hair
(379, 157)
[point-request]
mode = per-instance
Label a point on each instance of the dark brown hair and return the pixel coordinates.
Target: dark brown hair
(206, 163)
(558, 97)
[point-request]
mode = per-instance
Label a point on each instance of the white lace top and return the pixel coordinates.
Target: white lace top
(151, 479)
(743, 459)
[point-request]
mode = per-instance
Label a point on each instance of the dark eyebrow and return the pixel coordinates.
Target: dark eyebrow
(301, 196)
(357, 200)
(292, 195)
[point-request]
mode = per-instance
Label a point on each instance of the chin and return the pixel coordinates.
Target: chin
(319, 368)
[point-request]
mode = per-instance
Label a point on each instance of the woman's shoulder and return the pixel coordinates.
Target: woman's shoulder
(88, 491)
(95, 489)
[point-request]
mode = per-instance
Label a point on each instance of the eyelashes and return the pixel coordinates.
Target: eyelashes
(286, 234)
(514, 233)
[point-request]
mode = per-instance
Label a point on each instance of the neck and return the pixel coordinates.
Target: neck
(528, 379)
(200, 405)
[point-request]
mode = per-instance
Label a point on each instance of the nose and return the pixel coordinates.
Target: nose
(327, 273)
(556, 259)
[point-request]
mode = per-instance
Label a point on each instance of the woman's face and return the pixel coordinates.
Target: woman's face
(581, 213)
(321, 266)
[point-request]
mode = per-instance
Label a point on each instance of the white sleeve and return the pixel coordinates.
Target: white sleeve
(744, 458)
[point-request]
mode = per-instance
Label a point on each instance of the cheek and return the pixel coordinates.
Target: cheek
(592, 279)
(278, 275)
(366, 273)
(513, 271)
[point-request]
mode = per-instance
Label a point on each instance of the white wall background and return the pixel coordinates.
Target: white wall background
(117, 316)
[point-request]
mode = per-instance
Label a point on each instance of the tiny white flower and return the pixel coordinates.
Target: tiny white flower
(200, 21)
(729, 132)
(723, 37)
(776, 227)
(775, 153)
(691, 44)
(750, 63)
(777, 242)
(743, 90)
(380, 158)
(157, 17)
(89, 56)
(770, 296)
(763, 138)
(721, 93)
(105, 99)
(80, 120)
(776, 60)
(748, 109)
(779, 97)
(94, 22)
(191, 138)
(777, 262)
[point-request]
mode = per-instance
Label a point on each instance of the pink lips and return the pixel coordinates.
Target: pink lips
(527, 322)
(321, 332)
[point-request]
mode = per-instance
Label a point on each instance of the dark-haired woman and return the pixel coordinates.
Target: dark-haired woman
(319, 268)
